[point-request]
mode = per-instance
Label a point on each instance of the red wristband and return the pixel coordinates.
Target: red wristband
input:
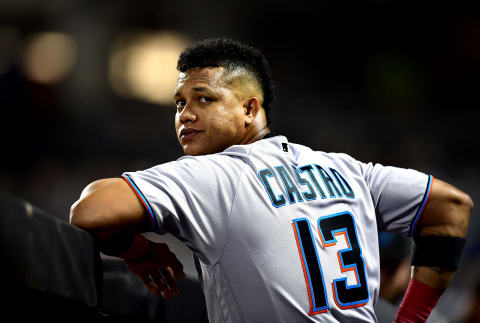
(137, 249)
(418, 302)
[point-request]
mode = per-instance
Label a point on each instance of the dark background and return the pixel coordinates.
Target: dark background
(384, 82)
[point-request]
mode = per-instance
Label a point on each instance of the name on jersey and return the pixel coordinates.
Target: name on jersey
(311, 181)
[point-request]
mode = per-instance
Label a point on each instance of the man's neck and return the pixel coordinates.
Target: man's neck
(254, 136)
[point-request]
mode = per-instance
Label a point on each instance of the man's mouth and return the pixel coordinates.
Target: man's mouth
(188, 133)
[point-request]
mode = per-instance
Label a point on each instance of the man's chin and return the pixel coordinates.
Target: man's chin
(194, 150)
(201, 147)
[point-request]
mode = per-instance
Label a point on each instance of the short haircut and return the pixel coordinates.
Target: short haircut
(231, 55)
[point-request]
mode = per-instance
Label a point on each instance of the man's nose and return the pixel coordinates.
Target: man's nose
(188, 115)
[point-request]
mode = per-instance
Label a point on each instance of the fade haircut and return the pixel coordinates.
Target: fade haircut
(235, 57)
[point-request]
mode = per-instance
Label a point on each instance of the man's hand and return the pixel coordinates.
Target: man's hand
(158, 269)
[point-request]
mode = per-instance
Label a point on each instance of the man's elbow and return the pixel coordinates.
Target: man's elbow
(458, 213)
(464, 204)
(467, 202)
(85, 213)
(108, 207)
(81, 214)
(448, 211)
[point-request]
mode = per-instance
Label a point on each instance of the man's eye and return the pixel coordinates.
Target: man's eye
(204, 99)
(180, 103)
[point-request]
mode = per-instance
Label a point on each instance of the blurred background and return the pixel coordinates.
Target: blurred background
(86, 86)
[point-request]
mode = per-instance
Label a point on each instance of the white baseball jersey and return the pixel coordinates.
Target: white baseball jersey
(283, 233)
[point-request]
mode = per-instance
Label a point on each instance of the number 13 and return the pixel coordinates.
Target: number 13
(329, 226)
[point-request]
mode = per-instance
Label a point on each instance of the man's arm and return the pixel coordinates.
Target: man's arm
(446, 216)
(108, 207)
(112, 213)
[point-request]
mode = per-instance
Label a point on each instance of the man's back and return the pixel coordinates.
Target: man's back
(282, 233)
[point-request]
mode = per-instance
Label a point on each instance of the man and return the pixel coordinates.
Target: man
(280, 233)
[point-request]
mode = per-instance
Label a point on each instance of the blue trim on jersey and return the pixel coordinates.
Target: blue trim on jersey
(149, 208)
(314, 308)
(422, 205)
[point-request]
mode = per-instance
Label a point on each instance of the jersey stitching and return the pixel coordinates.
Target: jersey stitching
(232, 293)
(226, 237)
(230, 212)
(216, 296)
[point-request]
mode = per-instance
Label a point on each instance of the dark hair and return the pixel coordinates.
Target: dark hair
(230, 54)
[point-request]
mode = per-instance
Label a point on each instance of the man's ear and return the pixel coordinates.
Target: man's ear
(251, 107)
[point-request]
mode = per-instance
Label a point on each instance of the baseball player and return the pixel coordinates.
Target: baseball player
(280, 232)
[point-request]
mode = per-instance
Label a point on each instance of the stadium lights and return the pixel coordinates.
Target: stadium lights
(48, 57)
(143, 65)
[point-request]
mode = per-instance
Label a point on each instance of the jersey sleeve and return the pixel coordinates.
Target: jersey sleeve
(399, 196)
(190, 198)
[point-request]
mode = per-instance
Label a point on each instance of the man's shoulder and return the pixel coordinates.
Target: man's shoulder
(298, 148)
(280, 147)
(244, 151)
(266, 148)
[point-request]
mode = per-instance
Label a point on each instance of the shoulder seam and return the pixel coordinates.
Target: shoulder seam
(231, 208)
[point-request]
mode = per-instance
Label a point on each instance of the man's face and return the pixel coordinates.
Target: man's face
(210, 117)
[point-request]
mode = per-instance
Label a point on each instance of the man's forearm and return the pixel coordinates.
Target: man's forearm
(435, 277)
(439, 243)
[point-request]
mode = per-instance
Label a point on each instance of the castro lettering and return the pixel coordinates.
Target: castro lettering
(289, 185)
